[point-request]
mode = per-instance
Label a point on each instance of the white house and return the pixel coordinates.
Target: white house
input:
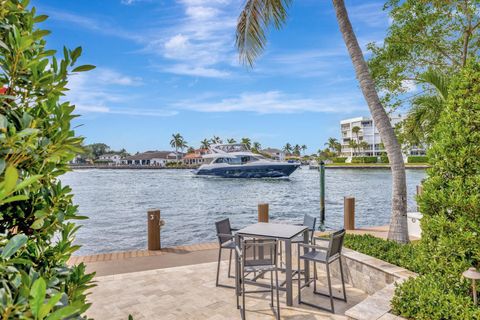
(110, 158)
(275, 154)
(369, 133)
(152, 158)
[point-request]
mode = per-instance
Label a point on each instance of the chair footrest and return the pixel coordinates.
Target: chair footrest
(327, 295)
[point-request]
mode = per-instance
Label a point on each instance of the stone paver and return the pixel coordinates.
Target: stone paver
(189, 292)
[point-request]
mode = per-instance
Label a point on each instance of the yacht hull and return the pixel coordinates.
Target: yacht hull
(270, 171)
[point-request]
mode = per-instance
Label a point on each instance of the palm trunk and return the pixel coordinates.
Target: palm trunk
(398, 223)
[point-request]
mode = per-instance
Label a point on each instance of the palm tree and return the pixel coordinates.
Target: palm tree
(205, 144)
(216, 140)
(363, 145)
(287, 148)
(231, 140)
(178, 142)
(253, 22)
(333, 144)
(426, 109)
(247, 142)
(353, 145)
(304, 148)
(256, 146)
(296, 150)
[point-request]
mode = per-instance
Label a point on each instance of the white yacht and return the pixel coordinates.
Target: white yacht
(236, 161)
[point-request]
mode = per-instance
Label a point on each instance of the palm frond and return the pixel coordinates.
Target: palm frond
(254, 20)
(438, 80)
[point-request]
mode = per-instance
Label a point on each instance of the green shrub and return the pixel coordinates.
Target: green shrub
(386, 250)
(364, 160)
(339, 159)
(36, 144)
(417, 159)
(384, 159)
(450, 204)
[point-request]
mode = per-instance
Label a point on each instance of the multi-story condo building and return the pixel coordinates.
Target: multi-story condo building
(363, 132)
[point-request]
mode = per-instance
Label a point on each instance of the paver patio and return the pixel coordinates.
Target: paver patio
(189, 292)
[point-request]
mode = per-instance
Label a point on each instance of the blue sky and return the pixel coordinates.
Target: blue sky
(171, 66)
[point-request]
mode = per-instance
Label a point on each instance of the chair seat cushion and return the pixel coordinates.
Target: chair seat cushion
(315, 255)
(228, 245)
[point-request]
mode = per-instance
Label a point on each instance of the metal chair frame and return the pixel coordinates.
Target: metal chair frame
(332, 253)
(259, 246)
(224, 238)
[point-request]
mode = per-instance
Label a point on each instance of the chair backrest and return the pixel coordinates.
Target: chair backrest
(259, 252)
(223, 227)
(336, 243)
(310, 222)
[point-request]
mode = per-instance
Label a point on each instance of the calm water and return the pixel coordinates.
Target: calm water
(117, 201)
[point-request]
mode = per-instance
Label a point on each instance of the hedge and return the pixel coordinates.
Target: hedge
(37, 141)
(364, 160)
(339, 159)
(417, 159)
(384, 159)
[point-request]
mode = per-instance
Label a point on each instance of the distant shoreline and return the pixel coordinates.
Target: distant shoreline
(328, 166)
(374, 166)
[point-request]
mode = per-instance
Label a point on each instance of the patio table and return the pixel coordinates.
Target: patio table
(283, 232)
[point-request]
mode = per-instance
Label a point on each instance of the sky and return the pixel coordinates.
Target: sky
(165, 67)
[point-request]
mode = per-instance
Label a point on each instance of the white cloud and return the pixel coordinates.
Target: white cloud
(108, 91)
(182, 69)
(370, 14)
(276, 102)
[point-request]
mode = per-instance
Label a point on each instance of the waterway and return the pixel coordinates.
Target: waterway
(116, 202)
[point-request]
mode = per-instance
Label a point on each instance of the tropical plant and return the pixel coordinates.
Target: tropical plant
(333, 144)
(231, 140)
(304, 148)
(178, 142)
(296, 150)
(287, 148)
(430, 34)
(216, 140)
(426, 109)
(258, 15)
(36, 144)
(353, 145)
(247, 142)
(363, 145)
(205, 144)
(97, 149)
(256, 146)
(450, 204)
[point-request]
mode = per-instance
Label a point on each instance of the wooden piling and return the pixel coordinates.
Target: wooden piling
(263, 212)
(419, 193)
(349, 213)
(154, 224)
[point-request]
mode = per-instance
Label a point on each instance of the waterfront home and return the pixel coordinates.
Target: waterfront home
(195, 158)
(362, 129)
(275, 154)
(110, 158)
(152, 158)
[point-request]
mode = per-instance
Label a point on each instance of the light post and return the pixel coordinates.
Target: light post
(473, 275)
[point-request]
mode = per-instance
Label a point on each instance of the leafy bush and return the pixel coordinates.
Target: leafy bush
(36, 144)
(364, 160)
(450, 204)
(384, 159)
(386, 250)
(417, 159)
(339, 159)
